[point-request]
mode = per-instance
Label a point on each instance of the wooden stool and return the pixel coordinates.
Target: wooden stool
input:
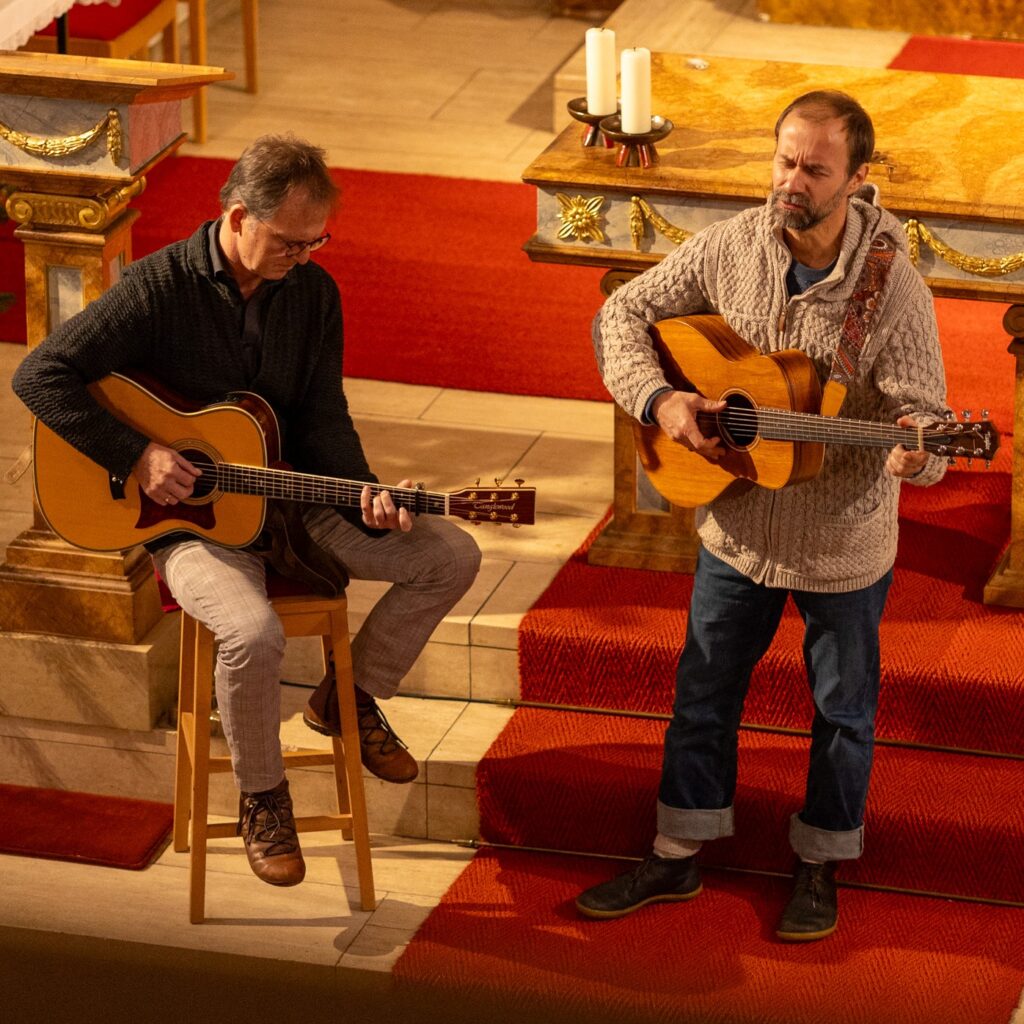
(303, 615)
(124, 31)
(197, 55)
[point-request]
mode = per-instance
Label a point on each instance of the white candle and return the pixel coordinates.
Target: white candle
(636, 91)
(600, 71)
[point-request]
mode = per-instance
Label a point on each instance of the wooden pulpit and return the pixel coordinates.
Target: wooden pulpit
(945, 167)
(83, 638)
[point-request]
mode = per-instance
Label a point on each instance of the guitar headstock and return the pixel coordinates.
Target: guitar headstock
(496, 504)
(966, 440)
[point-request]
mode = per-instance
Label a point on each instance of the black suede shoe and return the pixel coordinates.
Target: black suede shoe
(653, 880)
(813, 909)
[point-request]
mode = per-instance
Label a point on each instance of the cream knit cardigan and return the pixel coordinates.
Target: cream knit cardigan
(837, 532)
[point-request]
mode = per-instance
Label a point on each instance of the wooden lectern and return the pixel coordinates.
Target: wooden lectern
(83, 637)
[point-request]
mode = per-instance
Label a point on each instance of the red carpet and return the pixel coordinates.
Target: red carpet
(935, 823)
(60, 825)
(507, 942)
(961, 56)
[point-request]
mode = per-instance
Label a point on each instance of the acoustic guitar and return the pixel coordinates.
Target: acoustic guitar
(772, 432)
(245, 495)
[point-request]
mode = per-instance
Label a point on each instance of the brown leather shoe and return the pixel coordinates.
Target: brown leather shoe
(267, 826)
(380, 750)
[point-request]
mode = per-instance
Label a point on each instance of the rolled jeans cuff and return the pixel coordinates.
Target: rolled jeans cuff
(695, 823)
(819, 844)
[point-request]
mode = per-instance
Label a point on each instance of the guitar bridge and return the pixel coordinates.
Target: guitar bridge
(116, 487)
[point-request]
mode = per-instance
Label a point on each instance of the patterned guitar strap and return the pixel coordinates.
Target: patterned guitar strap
(857, 325)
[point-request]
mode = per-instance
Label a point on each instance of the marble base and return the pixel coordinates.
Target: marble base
(90, 682)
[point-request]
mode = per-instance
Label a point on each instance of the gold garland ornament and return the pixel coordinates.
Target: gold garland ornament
(65, 145)
(639, 211)
(918, 233)
(579, 217)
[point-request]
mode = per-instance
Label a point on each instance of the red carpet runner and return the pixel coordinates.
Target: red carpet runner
(507, 943)
(60, 825)
(937, 820)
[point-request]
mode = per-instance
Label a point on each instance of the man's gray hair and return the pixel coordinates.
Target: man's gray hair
(270, 168)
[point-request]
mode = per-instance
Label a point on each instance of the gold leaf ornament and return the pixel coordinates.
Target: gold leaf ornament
(67, 145)
(918, 234)
(580, 217)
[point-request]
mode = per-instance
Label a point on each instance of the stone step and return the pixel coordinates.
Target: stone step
(447, 738)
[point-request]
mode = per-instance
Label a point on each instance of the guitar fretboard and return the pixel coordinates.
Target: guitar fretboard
(288, 485)
(786, 425)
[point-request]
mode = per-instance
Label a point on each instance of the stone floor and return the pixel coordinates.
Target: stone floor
(467, 88)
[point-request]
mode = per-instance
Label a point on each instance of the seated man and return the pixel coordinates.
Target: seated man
(240, 306)
(806, 271)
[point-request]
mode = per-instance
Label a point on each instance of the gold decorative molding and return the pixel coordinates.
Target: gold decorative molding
(92, 213)
(579, 217)
(640, 211)
(980, 265)
(66, 145)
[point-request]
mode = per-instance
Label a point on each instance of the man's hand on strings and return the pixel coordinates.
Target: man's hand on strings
(903, 462)
(164, 475)
(676, 413)
(380, 512)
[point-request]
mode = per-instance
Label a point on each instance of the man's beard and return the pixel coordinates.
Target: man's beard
(808, 216)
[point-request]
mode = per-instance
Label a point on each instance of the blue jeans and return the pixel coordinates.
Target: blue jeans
(731, 623)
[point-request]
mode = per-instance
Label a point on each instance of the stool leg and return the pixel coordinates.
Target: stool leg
(171, 48)
(353, 764)
(340, 775)
(251, 30)
(200, 774)
(197, 55)
(183, 767)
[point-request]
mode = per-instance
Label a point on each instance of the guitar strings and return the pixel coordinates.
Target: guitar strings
(797, 426)
(324, 490)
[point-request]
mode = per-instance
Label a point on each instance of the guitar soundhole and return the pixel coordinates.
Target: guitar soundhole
(206, 483)
(738, 421)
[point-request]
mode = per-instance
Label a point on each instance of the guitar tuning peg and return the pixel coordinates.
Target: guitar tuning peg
(970, 461)
(951, 461)
(988, 463)
(966, 413)
(984, 414)
(498, 481)
(950, 416)
(520, 481)
(420, 486)
(477, 484)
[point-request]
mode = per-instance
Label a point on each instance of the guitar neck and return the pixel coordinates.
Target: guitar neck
(288, 485)
(786, 425)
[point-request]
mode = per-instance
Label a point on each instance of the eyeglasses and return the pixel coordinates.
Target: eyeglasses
(297, 248)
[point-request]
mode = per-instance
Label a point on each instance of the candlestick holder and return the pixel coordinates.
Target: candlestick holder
(592, 134)
(636, 150)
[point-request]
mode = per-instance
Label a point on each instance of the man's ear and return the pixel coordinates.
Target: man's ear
(858, 179)
(235, 215)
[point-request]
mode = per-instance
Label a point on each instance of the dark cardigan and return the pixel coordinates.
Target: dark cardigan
(170, 316)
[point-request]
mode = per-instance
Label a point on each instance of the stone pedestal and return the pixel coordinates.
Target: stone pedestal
(83, 636)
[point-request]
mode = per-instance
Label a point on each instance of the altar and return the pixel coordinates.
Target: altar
(945, 167)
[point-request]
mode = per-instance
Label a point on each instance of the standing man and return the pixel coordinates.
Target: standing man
(240, 306)
(783, 276)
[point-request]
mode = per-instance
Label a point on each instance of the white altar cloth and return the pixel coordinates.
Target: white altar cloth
(19, 19)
